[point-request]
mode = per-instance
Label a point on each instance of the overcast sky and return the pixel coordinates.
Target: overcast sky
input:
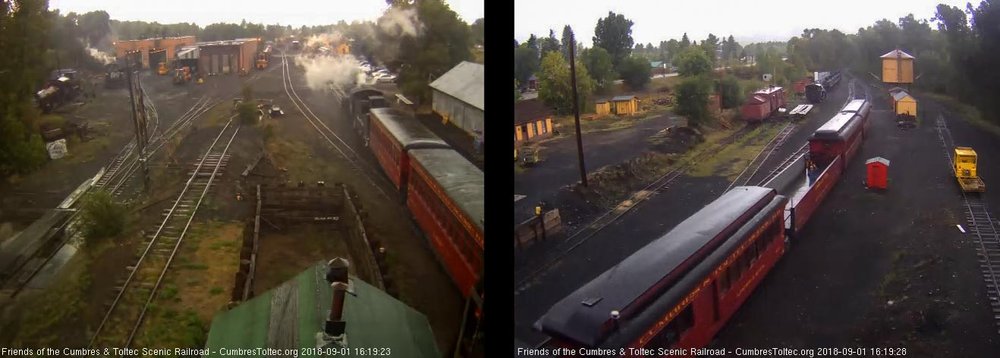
(285, 12)
(745, 20)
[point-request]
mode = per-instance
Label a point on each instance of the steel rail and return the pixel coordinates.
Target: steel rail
(187, 225)
(356, 161)
(156, 235)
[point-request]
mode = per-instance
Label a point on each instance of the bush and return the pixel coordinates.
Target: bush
(247, 112)
(692, 100)
(103, 218)
(732, 96)
(635, 72)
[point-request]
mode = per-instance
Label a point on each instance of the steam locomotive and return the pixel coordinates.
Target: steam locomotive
(114, 76)
(63, 86)
(816, 91)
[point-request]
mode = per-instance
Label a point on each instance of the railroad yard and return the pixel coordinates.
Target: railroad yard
(871, 268)
(230, 210)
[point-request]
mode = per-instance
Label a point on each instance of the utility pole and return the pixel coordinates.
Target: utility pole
(138, 120)
(576, 108)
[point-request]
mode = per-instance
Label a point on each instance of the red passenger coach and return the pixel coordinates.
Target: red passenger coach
(446, 199)
(392, 135)
(839, 136)
(678, 291)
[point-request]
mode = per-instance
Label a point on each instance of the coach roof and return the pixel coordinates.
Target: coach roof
(653, 269)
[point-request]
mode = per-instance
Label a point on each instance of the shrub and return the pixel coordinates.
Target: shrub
(103, 218)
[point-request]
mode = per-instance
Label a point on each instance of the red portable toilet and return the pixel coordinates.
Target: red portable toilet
(878, 173)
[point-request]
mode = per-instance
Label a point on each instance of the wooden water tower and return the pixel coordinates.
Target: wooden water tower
(897, 67)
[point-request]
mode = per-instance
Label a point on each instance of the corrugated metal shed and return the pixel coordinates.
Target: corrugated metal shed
(291, 315)
(464, 82)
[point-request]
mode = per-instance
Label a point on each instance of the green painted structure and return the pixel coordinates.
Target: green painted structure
(293, 315)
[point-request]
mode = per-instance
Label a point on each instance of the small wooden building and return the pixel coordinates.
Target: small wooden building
(897, 67)
(625, 105)
(878, 173)
(603, 107)
(903, 104)
(531, 119)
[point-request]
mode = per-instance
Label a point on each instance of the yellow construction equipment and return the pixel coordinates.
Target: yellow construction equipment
(162, 70)
(965, 170)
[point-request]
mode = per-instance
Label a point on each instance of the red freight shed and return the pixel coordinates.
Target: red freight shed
(878, 173)
(762, 104)
(393, 134)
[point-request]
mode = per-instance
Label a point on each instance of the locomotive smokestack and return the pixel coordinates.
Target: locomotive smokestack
(336, 274)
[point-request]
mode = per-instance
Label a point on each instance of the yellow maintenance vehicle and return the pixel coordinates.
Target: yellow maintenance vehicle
(965, 170)
(162, 69)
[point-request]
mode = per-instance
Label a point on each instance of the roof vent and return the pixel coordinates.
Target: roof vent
(590, 302)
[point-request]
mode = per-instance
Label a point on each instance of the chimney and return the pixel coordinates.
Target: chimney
(336, 275)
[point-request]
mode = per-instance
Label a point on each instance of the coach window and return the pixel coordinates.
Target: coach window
(671, 334)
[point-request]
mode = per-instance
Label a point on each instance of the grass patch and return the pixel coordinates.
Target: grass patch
(39, 319)
(193, 291)
(79, 151)
(730, 160)
(968, 112)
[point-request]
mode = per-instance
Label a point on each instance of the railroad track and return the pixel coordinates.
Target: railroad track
(757, 162)
(784, 164)
(116, 175)
(126, 312)
(329, 135)
(611, 216)
(982, 225)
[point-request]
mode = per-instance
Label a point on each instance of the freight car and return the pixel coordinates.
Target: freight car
(762, 104)
(392, 135)
(679, 290)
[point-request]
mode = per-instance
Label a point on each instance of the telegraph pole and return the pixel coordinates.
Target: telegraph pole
(138, 120)
(576, 107)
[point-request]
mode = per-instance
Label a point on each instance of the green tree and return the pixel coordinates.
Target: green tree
(732, 95)
(614, 34)
(635, 72)
(549, 44)
(673, 48)
(692, 61)
(710, 45)
(24, 38)
(555, 88)
(478, 29)
(692, 99)
(598, 63)
(445, 43)
(685, 42)
(526, 62)
(566, 41)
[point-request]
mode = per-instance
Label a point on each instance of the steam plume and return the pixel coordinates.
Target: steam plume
(322, 70)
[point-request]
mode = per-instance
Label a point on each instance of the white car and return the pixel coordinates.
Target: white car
(386, 78)
(382, 72)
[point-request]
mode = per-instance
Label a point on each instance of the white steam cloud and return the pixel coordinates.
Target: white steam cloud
(320, 40)
(324, 70)
(100, 56)
(397, 23)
